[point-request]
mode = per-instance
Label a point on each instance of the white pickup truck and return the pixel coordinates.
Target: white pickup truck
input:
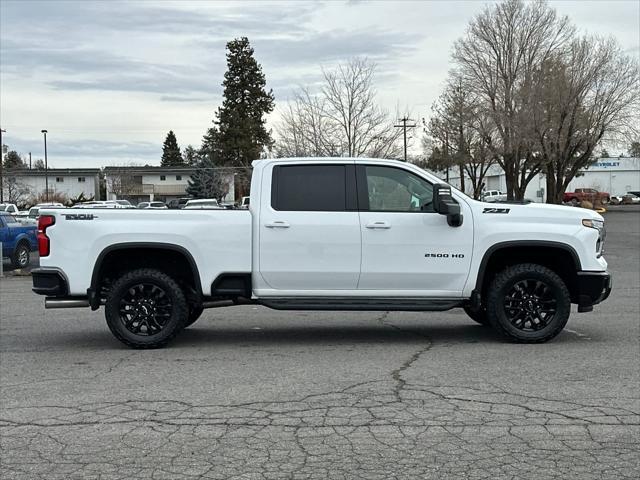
(328, 234)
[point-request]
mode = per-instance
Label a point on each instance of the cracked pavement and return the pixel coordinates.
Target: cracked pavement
(252, 393)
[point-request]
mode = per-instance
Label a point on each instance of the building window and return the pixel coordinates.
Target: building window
(162, 177)
(82, 179)
(59, 179)
(178, 177)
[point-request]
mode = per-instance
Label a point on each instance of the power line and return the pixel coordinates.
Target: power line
(404, 127)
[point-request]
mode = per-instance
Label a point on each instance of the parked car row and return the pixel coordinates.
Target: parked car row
(630, 198)
(30, 217)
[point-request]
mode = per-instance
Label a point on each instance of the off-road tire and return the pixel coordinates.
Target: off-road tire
(506, 281)
(178, 310)
(21, 256)
(479, 316)
(195, 311)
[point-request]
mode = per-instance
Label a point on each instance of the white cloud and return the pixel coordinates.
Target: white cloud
(110, 79)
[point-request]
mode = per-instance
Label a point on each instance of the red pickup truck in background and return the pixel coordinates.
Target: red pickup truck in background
(589, 194)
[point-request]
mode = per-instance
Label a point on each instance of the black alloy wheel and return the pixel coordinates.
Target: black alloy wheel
(530, 305)
(145, 308)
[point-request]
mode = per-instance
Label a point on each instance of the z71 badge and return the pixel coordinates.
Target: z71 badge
(79, 216)
(496, 210)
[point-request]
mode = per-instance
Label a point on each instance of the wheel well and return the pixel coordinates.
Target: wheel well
(562, 261)
(25, 242)
(113, 262)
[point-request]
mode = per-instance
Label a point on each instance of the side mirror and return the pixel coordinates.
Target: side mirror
(445, 204)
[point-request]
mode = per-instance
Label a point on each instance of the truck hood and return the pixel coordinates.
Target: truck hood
(540, 211)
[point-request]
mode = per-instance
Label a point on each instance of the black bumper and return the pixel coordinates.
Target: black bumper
(593, 288)
(51, 283)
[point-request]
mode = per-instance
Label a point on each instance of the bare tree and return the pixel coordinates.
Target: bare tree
(305, 130)
(581, 94)
(15, 191)
(462, 135)
(497, 57)
(342, 119)
(122, 183)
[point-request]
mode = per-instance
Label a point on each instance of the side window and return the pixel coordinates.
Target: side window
(309, 188)
(392, 189)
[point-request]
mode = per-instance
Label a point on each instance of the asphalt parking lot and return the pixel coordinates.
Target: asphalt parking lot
(254, 393)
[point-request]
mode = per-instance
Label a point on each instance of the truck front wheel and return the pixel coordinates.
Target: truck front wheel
(146, 308)
(528, 303)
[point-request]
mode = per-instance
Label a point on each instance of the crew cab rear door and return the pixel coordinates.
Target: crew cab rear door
(309, 228)
(407, 248)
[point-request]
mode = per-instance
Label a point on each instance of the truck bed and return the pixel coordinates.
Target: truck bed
(218, 240)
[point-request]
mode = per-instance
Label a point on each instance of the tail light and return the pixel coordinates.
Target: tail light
(44, 222)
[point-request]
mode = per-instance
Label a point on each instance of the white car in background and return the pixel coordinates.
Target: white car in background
(152, 206)
(9, 208)
(493, 196)
(203, 204)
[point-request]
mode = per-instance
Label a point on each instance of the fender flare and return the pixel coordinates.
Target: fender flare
(139, 245)
(522, 243)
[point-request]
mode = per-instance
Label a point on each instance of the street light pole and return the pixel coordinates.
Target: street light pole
(46, 168)
(1, 166)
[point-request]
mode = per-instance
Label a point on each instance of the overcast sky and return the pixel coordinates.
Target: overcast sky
(110, 79)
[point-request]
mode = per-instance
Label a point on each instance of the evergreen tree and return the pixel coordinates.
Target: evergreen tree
(13, 161)
(239, 135)
(191, 156)
(171, 156)
(207, 181)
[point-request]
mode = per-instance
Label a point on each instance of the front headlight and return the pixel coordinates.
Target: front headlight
(602, 233)
(592, 223)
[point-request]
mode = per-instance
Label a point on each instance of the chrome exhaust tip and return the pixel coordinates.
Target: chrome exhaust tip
(65, 303)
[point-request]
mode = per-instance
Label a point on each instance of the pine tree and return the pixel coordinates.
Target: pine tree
(191, 156)
(171, 156)
(239, 135)
(206, 181)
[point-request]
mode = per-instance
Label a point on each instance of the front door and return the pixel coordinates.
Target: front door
(309, 230)
(407, 248)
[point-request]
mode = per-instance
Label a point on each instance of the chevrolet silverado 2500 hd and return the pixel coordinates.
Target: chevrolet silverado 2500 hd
(328, 234)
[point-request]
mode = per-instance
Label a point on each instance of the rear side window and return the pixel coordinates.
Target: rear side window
(311, 188)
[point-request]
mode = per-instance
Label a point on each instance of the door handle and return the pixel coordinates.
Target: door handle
(277, 224)
(379, 225)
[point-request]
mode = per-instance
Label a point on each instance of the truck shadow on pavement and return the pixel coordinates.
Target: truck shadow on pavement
(345, 335)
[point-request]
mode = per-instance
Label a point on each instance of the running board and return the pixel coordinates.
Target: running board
(407, 304)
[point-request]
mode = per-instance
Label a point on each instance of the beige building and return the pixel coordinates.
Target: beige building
(140, 184)
(21, 186)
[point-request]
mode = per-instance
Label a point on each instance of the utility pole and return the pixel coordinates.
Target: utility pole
(404, 127)
(46, 168)
(29, 160)
(1, 166)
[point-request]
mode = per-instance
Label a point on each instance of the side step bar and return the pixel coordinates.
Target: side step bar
(409, 304)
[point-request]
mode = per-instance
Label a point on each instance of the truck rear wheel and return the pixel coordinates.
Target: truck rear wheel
(146, 308)
(528, 303)
(21, 256)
